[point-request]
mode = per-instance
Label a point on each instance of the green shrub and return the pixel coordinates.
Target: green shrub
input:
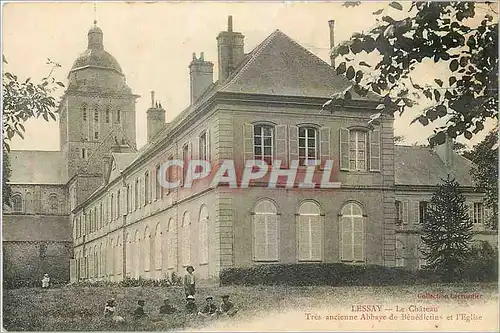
(481, 264)
(334, 274)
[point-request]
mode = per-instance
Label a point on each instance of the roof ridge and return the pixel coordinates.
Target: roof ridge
(253, 55)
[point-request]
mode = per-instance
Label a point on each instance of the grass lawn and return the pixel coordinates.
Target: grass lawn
(76, 308)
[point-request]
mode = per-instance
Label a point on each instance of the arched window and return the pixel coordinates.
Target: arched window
(172, 243)
(17, 202)
(128, 254)
(263, 143)
(101, 261)
(204, 242)
(400, 254)
(111, 256)
(352, 233)
(96, 262)
(118, 116)
(53, 204)
(310, 232)
(186, 239)
(146, 250)
(158, 254)
(266, 230)
(28, 207)
(118, 256)
(137, 255)
(308, 145)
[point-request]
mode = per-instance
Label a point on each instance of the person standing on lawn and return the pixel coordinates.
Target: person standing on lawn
(189, 281)
(45, 281)
(191, 307)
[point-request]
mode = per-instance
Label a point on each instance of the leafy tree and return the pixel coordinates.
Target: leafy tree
(463, 36)
(447, 230)
(21, 101)
(484, 171)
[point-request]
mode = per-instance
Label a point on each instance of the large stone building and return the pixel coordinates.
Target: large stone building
(98, 201)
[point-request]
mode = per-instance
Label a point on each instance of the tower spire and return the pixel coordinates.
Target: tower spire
(95, 13)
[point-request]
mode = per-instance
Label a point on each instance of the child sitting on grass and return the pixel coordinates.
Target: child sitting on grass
(227, 308)
(139, 311)
(167, 308)
(191, 307)
(210, 309)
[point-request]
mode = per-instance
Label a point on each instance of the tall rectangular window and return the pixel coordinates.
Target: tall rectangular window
(118, 116)
(107, 114)
(136, 194)
(357, 150)
(308, 151)
(478, 213)
(84, 113)
(203, 151)
(263, 143)
(157, 183)
(147, 186)
(422, 210)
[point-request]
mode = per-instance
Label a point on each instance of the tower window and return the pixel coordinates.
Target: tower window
(84, 153)
(96, 113)
(118, 116)
(96, 135)
(107, 115)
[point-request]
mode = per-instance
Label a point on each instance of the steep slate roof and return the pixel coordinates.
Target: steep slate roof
(423, 166)
(277, 66)
(281, 66)
(38, 167)
(122, 160)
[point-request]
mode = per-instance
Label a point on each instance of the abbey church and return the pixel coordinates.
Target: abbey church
(94, 210)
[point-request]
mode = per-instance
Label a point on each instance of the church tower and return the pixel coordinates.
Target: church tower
(97, 111)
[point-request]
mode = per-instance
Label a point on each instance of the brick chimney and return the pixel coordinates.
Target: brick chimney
(331, 25)
(445, 152)
(230, 46)
(201, 74)
(156, 117)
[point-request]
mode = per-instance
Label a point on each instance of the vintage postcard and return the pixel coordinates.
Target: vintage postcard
(250, 166)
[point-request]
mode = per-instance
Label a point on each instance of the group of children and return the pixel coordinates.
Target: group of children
(209, 309)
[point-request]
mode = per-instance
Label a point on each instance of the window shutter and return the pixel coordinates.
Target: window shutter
(281, 145)
(358, 239)
(272, 237)
(405, 211)
(248, 142)
(303, 233)
(316, 236)
(374, 150)
(259, 237)
(293, 143)
(346, 253)
(324, 143)
(416, 212)
(344, 149)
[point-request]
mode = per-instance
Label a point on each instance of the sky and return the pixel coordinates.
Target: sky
(154, 42)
